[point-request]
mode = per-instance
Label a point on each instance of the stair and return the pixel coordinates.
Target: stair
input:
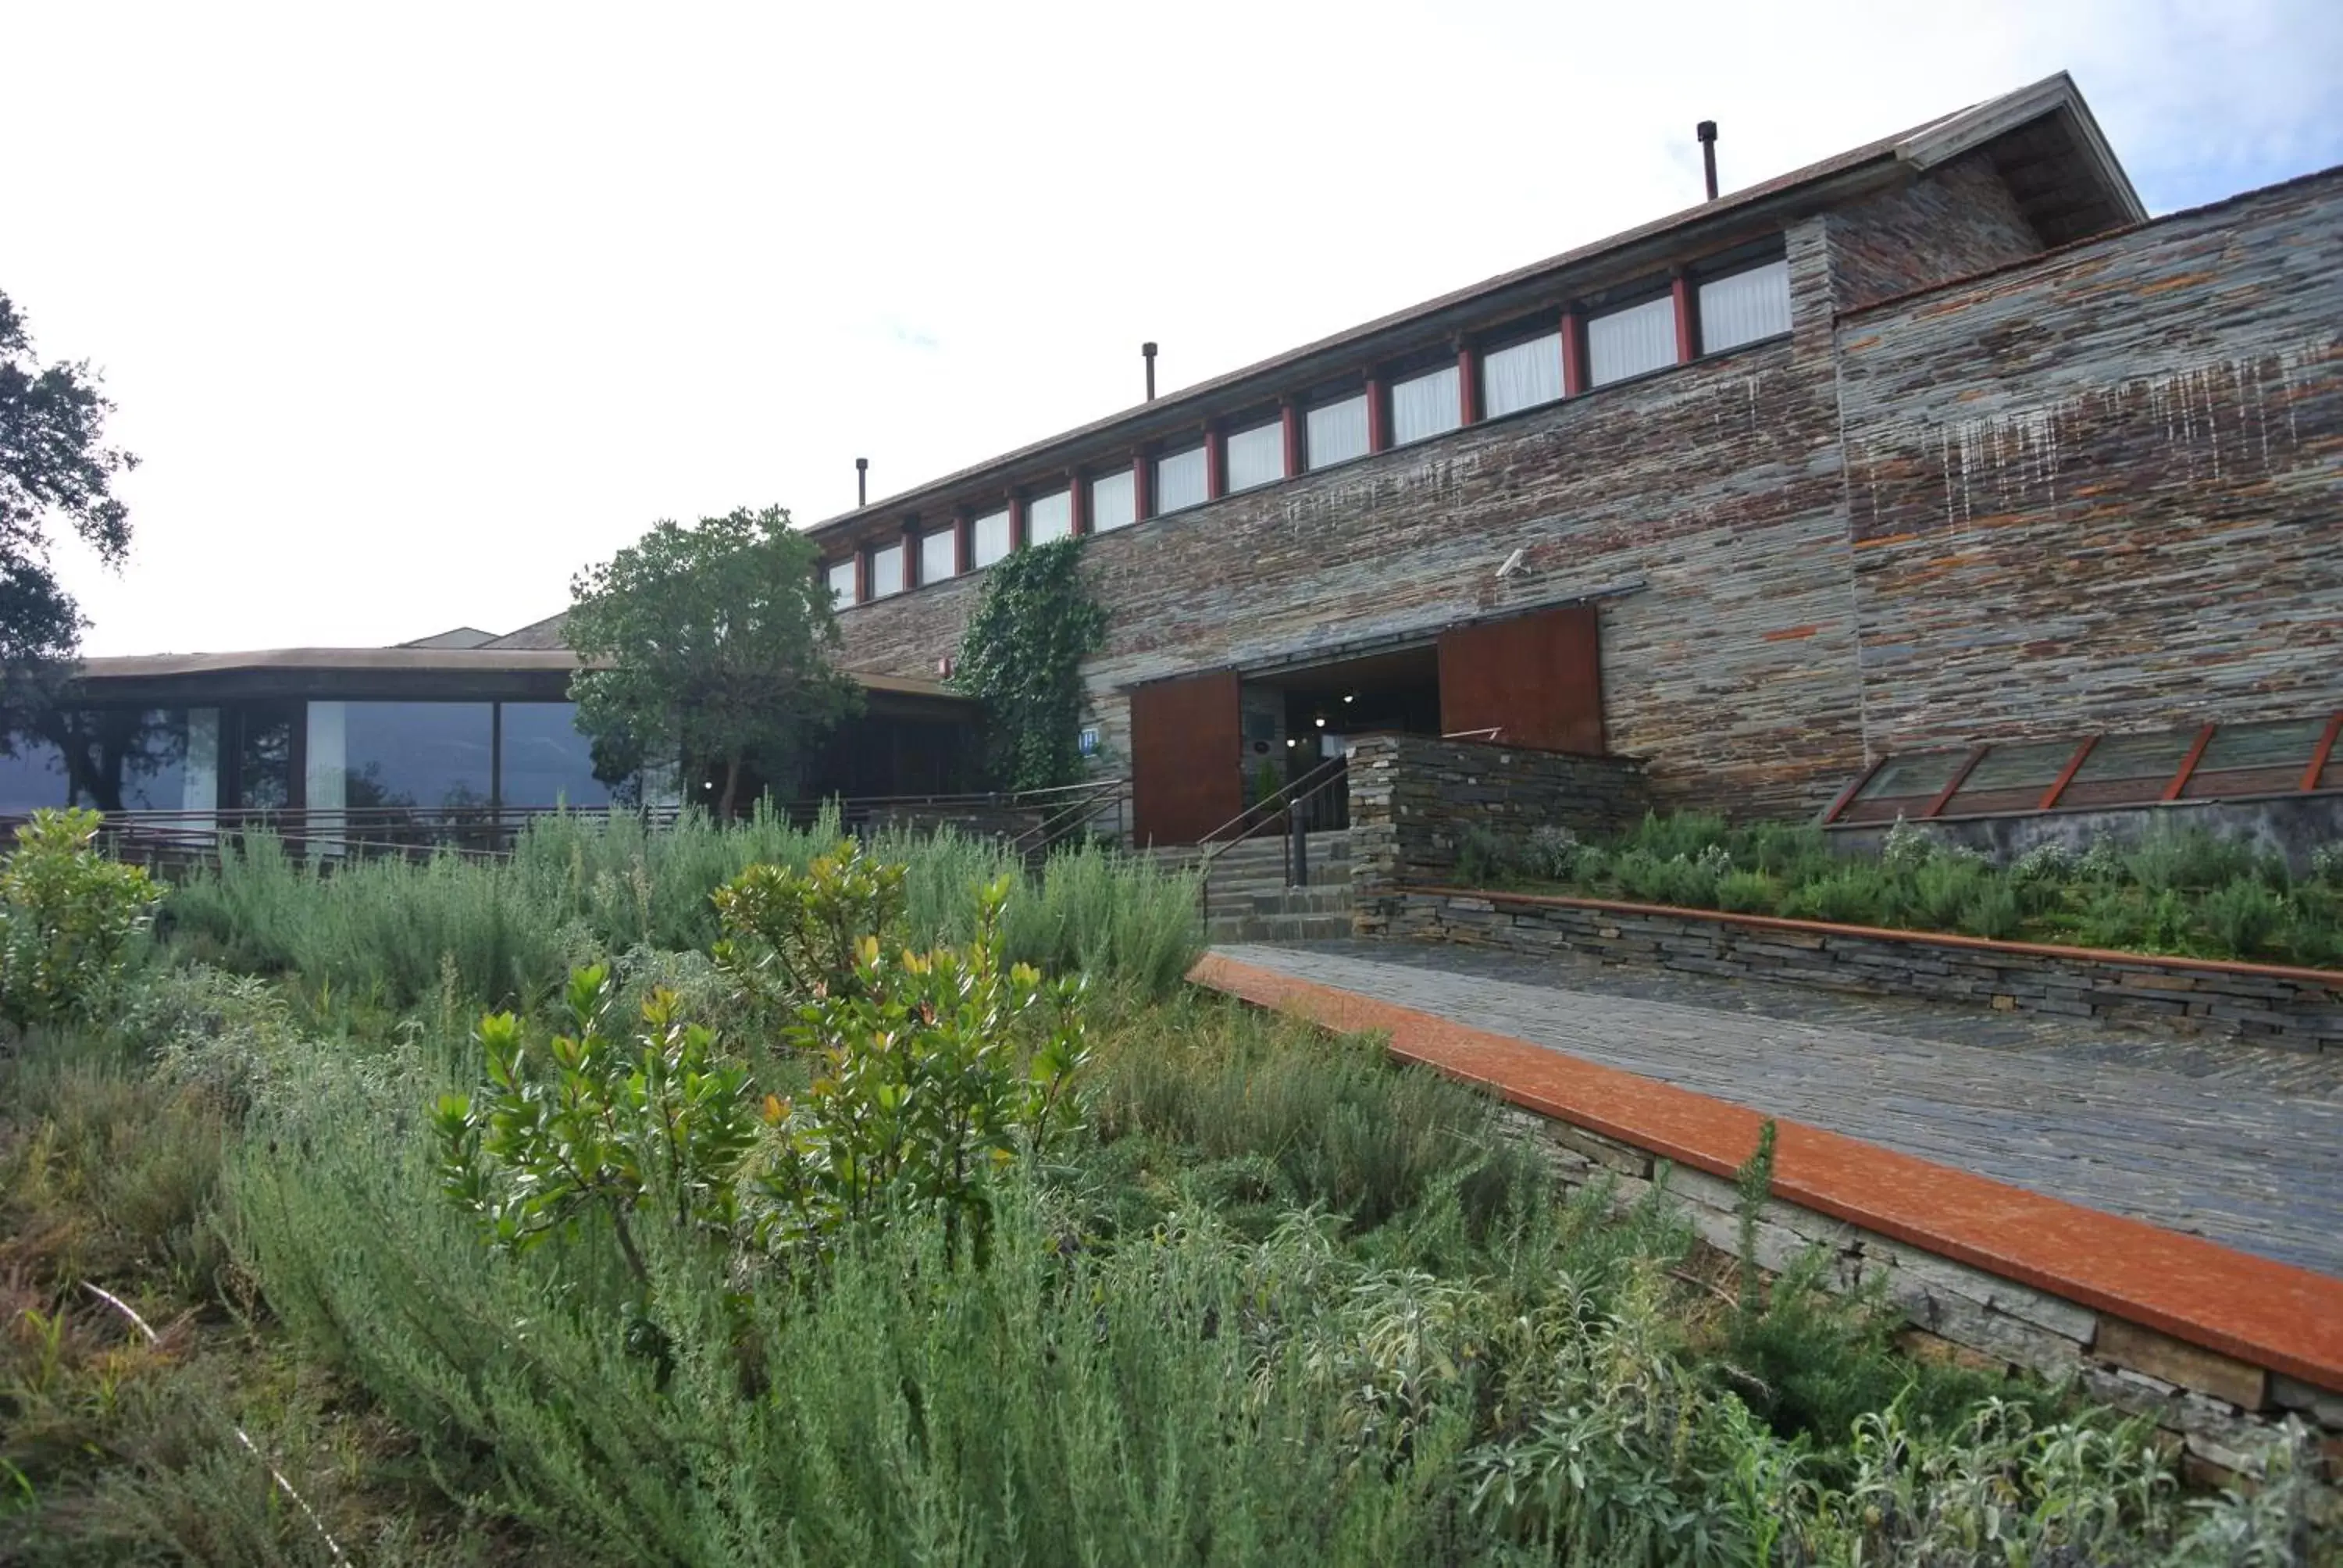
(1249, 902)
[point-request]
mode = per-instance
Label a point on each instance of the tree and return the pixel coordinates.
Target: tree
(54, 466)
(711, 647)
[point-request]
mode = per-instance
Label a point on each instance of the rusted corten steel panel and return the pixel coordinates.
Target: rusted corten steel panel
(1186, 758)
(1535, 679)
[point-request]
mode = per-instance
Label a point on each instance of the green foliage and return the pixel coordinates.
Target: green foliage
(390, 932)
(2244, 917)
(791, 936)
(937, 1070)
(654, 1129)
(1021, 656)
(54, 466)
(707, 645)
(2172, 892)
(67, 915)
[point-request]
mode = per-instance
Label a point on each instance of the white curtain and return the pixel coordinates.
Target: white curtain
(1424, 406)
(1630, 341)
(842, 584)
(1337, 432)
(886, 571)
(1180, 480)
(1745, 307)
(1050, 517)
(991, 540)
(1112, 502)
(939, 555)
(1257, 457)
(1522, 376)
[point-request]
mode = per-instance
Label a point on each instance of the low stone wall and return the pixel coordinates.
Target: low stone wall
(1413, 797)
(2227, 1413)
(2294, 1009)
(2235, 1356)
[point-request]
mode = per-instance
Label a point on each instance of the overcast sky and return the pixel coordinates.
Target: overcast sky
(411, 310)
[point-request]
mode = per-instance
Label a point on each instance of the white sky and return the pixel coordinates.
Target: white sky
(411, 310)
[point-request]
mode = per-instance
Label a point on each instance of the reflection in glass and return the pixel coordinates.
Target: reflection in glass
(264, 759)
(31, 775)
(427, 757)
(547, 762)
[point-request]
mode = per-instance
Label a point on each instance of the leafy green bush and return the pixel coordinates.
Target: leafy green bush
(2173, 892)
(792, 936)
(1749, 893)
(937, 1070)
(655, 1128)
(1850, 895)
(2244, 915)
(67, 915)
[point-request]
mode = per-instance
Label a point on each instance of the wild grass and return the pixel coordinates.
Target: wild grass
(1278, 1302)
(393, 933)
(2184, 891)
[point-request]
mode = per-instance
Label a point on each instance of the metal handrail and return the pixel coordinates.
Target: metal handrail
(1071, 817)
(1280, 803)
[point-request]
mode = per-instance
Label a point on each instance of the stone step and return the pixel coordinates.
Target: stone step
(1312, 901)
(1280, 929)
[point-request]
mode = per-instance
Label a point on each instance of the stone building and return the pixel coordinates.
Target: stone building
(1938, 443)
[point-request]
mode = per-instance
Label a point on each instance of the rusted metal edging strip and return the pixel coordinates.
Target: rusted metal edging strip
(2258, 1311)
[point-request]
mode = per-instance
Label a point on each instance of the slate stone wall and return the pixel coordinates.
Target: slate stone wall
(2092, 489)
(2294, 1011)
(1414, 797)
(1700, 504)
(2105, 491)
(2228, 1414)
(1963, 220)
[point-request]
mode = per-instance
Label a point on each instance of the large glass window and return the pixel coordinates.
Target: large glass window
(886, 571)
(841, 583)
(1745, 307)
(1337, 432)
(1050, 517)
(1629, 342)
(547, 762)
(939, 555)
(989, 538)
(32, 775)
(1114, 502)
(1424, 406)
(1180, 480)
(1257, 457)
(426, 757)
(1522, 376)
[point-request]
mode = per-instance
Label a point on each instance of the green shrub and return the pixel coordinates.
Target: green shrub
(1992, 908)
(1749, 893)
(1940, 890)
(789, 936)
(67, 915)
(1680, 833)
(2244, 917)
(1853, 895)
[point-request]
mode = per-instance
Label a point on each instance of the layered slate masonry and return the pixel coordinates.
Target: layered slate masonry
(2292, 1008)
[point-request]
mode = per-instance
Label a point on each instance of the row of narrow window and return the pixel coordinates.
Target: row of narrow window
(1738, 308)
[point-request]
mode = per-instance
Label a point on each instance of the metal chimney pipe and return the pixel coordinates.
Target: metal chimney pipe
(1706, 132)
(1147, 351)
(861, 482)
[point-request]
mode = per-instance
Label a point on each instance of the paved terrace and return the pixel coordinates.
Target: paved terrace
(2239, 1144)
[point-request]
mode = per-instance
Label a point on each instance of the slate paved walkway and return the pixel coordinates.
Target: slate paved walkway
(2240, 1144)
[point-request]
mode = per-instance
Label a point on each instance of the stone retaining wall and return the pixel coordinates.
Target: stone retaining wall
(2227, 1413)
(2297, 1009)
(1414, 797)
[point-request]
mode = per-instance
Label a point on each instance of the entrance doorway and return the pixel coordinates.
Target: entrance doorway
(1206, 747)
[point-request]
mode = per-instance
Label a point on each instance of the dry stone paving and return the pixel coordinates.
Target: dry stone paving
(2239, 1144)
